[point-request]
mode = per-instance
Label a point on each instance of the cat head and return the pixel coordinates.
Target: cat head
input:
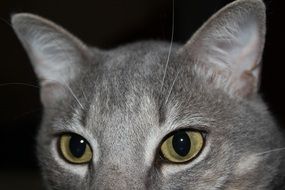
(143, 117)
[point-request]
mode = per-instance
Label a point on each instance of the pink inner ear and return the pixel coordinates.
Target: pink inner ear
(245, 67)
(247, 52)
(235, 65)
(247, 84)
(232, 64)
(228, 47)
(229, 56)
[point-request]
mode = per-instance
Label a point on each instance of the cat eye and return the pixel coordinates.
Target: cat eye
(74, 148)
(182, 146)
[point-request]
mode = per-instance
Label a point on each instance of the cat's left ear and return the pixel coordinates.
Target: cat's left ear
(54, 52)
(56, 55)
(227, 49)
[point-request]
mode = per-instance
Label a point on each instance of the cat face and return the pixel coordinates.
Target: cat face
(143, 117)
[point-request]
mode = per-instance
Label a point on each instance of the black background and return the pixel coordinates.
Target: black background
(106, 24)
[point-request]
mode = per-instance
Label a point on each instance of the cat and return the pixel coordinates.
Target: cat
(156, 115)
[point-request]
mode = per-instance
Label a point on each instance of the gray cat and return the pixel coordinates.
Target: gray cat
(154, 115)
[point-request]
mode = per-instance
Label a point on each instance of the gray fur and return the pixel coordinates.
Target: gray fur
(117, 101)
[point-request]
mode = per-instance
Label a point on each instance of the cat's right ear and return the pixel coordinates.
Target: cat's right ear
(55, 53)
(227, 49)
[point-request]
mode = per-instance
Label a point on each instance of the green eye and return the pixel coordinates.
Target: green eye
(182, 146)
(75, 149)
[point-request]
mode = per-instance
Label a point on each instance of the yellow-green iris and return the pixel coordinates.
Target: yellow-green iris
(75, 149)
(182, 146)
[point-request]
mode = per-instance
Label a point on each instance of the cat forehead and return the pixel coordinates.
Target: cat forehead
(133, 67)
(135, 75)
(138, 55)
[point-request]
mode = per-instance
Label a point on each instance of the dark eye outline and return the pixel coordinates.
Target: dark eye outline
(60, 152)
(164, 160)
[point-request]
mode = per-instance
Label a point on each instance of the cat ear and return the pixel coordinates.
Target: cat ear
(227, 49)
(55, 53)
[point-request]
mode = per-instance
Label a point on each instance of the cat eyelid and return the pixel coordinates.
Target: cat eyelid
(191, 123)
(69, 128)
(72, 129)
(192, 127)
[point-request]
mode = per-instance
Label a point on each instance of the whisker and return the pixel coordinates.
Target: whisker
(68, 58)
(27, 113)
(170, 48)
(6, 22)
(69, 89)
(35, 86)
(83, 93)
(19, 83)
(269, 151)
(73, 94)
(171, 88)
(59, 109)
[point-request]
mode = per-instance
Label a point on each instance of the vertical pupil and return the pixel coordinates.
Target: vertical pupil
(77, 145)
(181, 143)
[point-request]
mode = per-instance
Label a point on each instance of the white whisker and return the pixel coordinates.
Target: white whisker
(170, 47)
(269, 151)
(171, 88)
(83, 93)
(68, 58)
(69, 89)
(72, 93)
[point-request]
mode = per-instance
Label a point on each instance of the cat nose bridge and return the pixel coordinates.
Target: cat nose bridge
(114, 176)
